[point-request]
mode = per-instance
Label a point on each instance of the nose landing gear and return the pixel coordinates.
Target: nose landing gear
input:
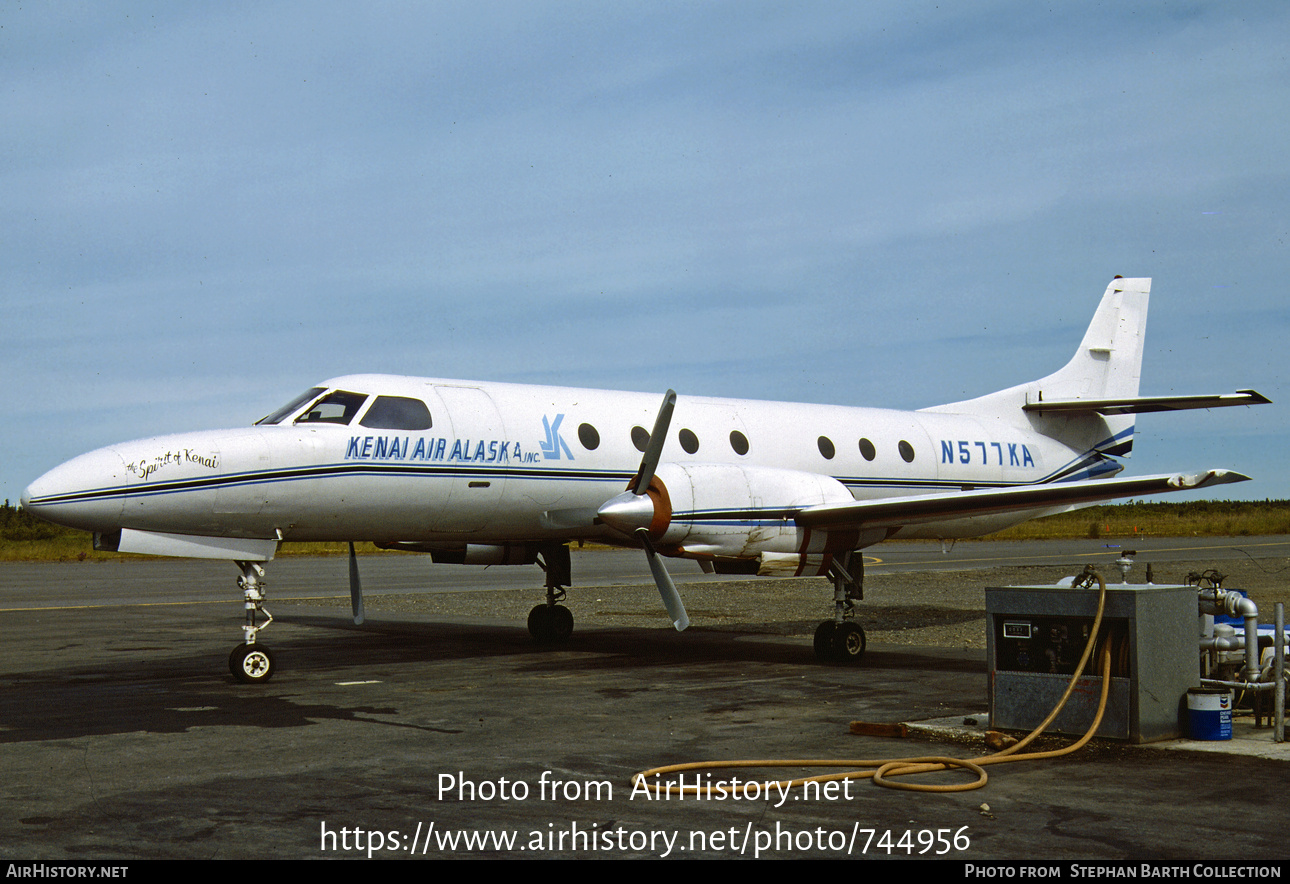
(250, 661)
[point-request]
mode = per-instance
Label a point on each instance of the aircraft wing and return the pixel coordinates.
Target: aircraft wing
(1145, 404)
(893, 512)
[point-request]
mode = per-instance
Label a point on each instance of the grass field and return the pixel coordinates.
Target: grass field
(25, 538)
(1211, 518)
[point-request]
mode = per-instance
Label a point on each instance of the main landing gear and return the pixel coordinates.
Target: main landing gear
(250, 661)
(552, 623)
(842, 640)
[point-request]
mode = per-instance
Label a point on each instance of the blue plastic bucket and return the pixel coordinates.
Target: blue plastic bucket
(1209, 713)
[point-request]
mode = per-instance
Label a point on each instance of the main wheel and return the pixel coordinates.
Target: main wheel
(550, 623)
(848, 643)
(540, 623)
(252, 664)
(561, 623)
(824, 640)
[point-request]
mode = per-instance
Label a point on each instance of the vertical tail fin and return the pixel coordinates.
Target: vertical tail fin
(1108, 364)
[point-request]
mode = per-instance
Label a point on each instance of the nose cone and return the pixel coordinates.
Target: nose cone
(87, 492)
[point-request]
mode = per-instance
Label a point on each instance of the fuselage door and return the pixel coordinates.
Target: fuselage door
(476, 455)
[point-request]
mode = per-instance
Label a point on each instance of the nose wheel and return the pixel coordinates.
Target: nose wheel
(251, 663)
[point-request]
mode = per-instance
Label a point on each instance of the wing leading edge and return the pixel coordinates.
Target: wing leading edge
(895, 512)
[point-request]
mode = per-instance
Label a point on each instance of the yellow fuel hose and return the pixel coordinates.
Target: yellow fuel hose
(881, 771)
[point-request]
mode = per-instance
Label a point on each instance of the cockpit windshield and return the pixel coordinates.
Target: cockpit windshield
(277, 416)
(337, 407)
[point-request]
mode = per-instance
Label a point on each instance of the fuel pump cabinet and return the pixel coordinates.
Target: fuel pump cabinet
(1036, 634)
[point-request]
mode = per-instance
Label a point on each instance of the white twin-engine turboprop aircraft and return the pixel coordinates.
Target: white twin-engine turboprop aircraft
(508, 474)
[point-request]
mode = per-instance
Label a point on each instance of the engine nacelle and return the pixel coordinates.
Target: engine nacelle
(728, 510)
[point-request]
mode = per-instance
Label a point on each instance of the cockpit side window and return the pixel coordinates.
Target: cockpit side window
(397, 413)
(291, 406)
(337, 407)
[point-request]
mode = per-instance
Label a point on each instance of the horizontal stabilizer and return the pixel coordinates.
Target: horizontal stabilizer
(895, 512)
(1144, 404)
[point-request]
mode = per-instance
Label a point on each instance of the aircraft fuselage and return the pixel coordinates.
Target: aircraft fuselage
(503, 462)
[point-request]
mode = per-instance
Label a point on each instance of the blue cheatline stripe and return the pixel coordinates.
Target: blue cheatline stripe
(1087, 465)
(265, 477)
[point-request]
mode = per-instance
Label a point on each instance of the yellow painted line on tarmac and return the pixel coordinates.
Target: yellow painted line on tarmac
(276, 600)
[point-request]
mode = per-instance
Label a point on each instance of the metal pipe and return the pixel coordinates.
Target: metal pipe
(1278, 677)
(1221, 601)
(1223, 641)
(1252, 644)
(1255, 686)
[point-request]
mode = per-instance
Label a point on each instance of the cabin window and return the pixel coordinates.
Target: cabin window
(739, 442)
(337, 407)
(640, 438)
(689, 441)
(906, 451)
(826, 447)
(588, 436)
(397, 413)
(867, 451)
(291, 406)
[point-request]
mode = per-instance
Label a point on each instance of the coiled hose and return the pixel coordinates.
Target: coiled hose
(884, 771)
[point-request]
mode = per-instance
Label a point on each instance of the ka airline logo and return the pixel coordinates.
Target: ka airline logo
(554, 443)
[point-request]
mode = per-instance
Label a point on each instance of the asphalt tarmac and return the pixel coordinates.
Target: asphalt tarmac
(441, 735)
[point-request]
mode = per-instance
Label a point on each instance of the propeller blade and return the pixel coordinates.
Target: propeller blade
(355, 587)
(666, 588)
(654, 450)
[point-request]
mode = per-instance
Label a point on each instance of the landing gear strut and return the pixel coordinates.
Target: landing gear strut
(252, 662)
(552, 622)
(842, 640)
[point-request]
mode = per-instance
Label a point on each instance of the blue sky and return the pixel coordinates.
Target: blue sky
(209, 207)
